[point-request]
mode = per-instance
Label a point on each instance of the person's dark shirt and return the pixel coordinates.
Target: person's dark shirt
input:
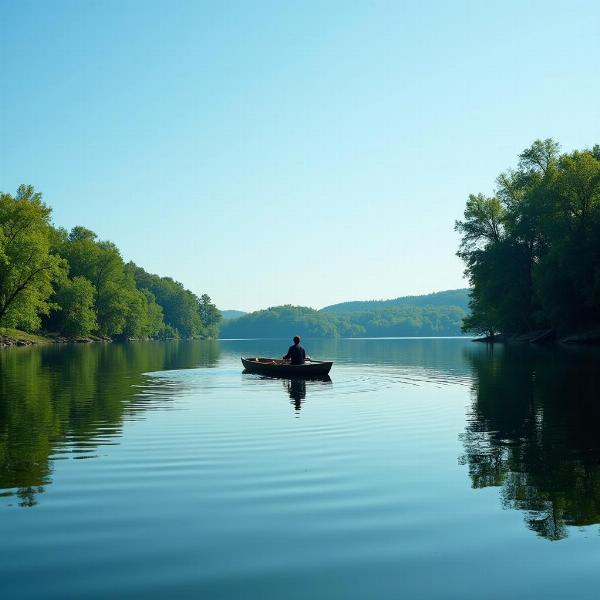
(296, 354)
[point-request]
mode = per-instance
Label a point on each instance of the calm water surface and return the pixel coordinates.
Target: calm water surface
(423, 469)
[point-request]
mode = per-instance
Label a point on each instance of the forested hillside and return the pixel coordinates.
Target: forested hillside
(532, 250)
(233, 314)
(459, 297)
(407, 320)
(72, 283)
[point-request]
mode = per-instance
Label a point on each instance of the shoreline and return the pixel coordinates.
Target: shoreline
(14, 338)
(588, 337)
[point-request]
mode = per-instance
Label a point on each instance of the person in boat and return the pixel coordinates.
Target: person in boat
(296, 354)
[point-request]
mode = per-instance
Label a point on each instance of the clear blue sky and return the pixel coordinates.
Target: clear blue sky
(287, 152)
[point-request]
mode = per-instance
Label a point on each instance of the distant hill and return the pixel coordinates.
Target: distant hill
(457, 298)
(439, 314)
(232, 314)
(279, 321)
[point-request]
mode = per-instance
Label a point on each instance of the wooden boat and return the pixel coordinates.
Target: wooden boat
(282, 368)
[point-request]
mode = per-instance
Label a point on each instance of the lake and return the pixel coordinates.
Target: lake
(424, 468)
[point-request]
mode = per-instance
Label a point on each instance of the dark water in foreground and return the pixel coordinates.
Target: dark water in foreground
(424, 469)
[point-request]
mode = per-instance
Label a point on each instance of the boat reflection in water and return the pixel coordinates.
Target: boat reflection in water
(293, 377)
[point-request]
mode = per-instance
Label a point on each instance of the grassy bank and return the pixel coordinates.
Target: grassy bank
(16, 337)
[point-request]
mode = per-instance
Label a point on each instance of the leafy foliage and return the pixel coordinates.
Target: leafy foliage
(76, 315)
(75, 284)
(210, 316)
(27, 267)
(532, 251)
(185, 314)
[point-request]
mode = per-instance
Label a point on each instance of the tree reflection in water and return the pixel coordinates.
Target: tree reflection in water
(67, 400)
(533, 430)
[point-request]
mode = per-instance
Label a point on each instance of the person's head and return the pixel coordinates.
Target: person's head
(296, 339)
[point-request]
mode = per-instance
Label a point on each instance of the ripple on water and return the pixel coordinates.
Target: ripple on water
(205, 479)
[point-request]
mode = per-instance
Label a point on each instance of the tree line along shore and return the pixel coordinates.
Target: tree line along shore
(64, 286)
(532, 249)
(78, 287)
(392, 318)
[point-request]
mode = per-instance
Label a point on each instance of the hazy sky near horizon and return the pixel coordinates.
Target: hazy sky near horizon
(287, 152)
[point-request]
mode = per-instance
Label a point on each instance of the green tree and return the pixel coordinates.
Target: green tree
(482, 225)
(532, 252)
(101, 263)
(101, 294)
(568, 275)
(27, 267)
(76, 315)
(144, 315)
(181, 308)
(210, 316)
